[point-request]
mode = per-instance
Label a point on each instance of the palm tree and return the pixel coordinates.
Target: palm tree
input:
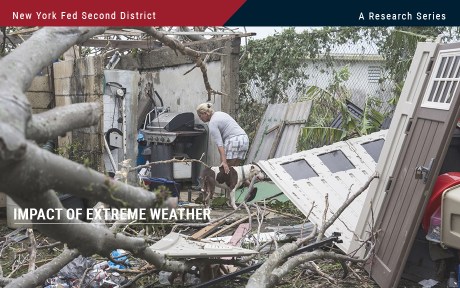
(328, 105)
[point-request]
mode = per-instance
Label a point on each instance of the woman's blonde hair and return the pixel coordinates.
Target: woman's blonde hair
(204, 108)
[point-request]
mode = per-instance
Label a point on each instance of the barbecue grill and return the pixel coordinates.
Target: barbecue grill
(174, 135)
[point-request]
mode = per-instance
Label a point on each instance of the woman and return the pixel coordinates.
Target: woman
(232, 142)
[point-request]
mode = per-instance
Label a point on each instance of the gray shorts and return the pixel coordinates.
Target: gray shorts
(236, 147)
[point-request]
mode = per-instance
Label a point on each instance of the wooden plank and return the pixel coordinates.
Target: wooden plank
(207, 230)
(228, 227)
(239, 233)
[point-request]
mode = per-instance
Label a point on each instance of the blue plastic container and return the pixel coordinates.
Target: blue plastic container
(171, 185)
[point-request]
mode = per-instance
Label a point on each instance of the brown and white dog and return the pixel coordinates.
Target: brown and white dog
(216, 176)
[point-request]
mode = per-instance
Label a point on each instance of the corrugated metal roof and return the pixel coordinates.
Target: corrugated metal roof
(278, 131)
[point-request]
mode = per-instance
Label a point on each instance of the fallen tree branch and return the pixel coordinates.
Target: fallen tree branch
(91, 239)
(66, 176)
(312, 266)
(16, 75)
(295, 261)
(345, 204)
(32, 249)
(134, 279)
(261, 277)
(52, 245)
(56, 122)
(177, 46)
(168, 161)
(42, 273)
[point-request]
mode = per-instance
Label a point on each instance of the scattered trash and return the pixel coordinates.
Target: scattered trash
(56, 282)
(452, 281)
(427, 283)
(97, 274)
(75, 269)
(176, 245)
(263, 237)
(102, 265)
(295, 231)
(164, 278)
(120, 256)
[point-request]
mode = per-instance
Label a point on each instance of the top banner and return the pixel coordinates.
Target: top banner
(229, 12)
(348, 13)
(117, 13)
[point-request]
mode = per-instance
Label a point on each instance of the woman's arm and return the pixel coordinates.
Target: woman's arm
(223, 159)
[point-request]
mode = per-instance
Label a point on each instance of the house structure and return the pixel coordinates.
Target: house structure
(125, 87)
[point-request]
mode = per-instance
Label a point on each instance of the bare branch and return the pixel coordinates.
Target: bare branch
(41, 247)
(67, 176)
(293, 262)
(39, 276)
(312, 266)
(133, 280)
(195, 55)
(168, 161)
(205, 61)
(347, 203)
(193, 37)
(58, 121)
(326, 208)
(261, 278)
(32, 249)
(91, 239)
(20, 72)
(16, 76)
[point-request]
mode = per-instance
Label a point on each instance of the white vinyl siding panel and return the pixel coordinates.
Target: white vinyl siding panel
(308, 192)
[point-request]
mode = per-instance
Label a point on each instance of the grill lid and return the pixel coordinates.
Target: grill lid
(173, 122)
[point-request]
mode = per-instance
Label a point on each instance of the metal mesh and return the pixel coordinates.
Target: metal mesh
(367, 76)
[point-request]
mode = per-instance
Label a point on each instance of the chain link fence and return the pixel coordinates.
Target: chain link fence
(364, 71)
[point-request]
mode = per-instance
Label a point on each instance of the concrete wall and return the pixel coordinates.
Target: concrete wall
(78, 81)
(82, 80)
(41, 94)
(116, 106)
(162, 70)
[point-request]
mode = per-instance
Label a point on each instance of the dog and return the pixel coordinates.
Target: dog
(216, 176)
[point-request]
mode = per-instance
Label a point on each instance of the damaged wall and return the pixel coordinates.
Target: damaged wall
(40, 93)
(163, 70)
(79, 81)
(82, 80)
